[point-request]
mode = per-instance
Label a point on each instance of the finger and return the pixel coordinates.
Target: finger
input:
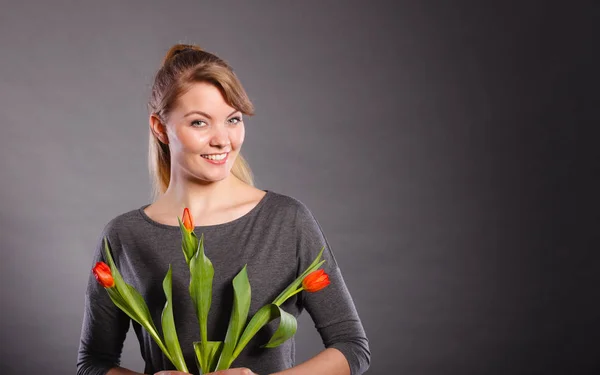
(234, 371)
(243, 371)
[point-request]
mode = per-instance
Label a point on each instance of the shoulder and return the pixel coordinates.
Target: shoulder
(124, 224)
(282, 203)
(122, 230)
(309, 235)
(286, 210)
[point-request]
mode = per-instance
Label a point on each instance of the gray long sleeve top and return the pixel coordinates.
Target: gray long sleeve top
(277, 239)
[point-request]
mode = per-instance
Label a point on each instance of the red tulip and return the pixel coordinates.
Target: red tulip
(188, 222)
(102, 272)
(315, 281)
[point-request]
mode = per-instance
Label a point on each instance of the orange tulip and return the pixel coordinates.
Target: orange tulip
(188, 222)
(103, 275)
(315, 281)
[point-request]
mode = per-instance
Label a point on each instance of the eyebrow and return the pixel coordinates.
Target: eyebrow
(206, 114)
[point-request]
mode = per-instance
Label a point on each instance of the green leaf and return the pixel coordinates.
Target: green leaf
(287, 327)
(168, 325)
(125, 297)
(211, 352)
(201, 278)
(258, 321)
(120, 303)
(130, 297)
(241, 304)
(283, 296)
(189, 242)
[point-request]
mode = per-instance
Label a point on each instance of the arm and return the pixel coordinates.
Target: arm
(331, 309)
(330, 361)
(122, 371)
(104, 327)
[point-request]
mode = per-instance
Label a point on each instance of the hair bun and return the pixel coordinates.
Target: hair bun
(180, 48)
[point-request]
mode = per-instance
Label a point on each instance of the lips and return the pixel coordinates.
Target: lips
(215, 157)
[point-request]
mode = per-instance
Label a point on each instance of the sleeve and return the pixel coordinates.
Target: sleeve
(331, 309)
(104, 325)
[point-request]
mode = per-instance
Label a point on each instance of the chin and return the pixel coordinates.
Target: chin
(214, 177)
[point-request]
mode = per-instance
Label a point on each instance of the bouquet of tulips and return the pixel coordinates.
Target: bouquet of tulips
(210, 355)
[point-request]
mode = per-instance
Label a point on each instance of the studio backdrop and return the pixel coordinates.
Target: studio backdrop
(444, 147)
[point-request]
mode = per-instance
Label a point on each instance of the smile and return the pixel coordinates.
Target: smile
(215, 157)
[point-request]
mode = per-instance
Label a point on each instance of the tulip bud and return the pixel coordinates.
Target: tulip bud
(315, 281)
(103, 275)
(188, 222)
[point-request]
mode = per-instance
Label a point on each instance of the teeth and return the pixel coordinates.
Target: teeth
(215, 157)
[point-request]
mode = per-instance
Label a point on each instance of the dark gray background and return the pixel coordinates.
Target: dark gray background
(446, 149)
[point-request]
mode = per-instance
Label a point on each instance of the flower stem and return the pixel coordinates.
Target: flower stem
(159, 342)
(285, 298)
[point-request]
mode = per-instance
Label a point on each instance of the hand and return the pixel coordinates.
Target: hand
(231, 371)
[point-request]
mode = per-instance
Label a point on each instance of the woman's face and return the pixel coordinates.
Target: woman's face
(205, 134)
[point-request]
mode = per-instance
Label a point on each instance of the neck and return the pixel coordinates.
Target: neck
(200, 196)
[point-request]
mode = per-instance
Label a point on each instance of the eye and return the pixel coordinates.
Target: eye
(199, 123)
(235, 120)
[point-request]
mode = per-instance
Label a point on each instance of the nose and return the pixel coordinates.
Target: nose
(220, 137)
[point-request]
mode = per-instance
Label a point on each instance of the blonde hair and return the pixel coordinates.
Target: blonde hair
(184, 65)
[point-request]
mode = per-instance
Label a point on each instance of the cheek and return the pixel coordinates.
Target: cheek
(237, 136)
(190, 141)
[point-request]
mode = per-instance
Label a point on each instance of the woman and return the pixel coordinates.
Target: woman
(196, 133)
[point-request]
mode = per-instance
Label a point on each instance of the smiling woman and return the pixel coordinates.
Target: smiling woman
(187, 73)
(196, 134)
(202, 130)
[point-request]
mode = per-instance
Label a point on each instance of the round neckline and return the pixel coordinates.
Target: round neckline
(221, 225)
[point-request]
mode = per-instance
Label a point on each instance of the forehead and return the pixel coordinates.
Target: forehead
(203, 97)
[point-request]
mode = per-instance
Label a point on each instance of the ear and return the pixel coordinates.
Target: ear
(158, 129)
